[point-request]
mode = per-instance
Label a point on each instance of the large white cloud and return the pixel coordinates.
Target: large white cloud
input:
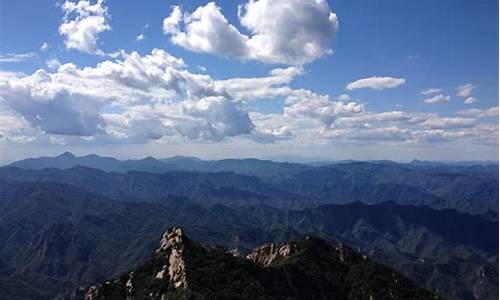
(120, 98)
(292, 32)
(51, 107)
(376, 83)
(154, 98)
(82, 24)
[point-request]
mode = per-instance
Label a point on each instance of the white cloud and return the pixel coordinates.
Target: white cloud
(480, 113)
(51, 108)
(44, 46)
(16, 57)
(82, 24)
(376, 83)
(134, 91)
(155, 99)
(140, 37)
(306, 104)
(465, 90)
(274, 85)
(431, 91)
(470, 100)
(292, 32)
(213, 118)
(439, 98)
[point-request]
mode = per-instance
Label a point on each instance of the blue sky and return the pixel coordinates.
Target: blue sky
(414, 45)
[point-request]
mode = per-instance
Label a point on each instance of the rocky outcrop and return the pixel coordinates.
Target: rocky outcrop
(172, 244)
(267, 254)
(309, 268)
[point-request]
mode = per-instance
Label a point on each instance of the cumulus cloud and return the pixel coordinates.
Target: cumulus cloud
(213, 118)
(51, 108)
(292, 32)
(376, 83)
(72, 101)
(439, 98)
(143, 98)
(82, 24)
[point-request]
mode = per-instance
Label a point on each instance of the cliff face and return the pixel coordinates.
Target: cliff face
(164, 273)
(309, 268)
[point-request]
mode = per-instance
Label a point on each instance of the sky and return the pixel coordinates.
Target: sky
(314, 79)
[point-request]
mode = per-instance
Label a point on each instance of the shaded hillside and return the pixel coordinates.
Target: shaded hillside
(58, 238)
(369, 183)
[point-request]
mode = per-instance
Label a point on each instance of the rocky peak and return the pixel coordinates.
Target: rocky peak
(172, 243)
(166, 271)
(172, 238)
(309, 268)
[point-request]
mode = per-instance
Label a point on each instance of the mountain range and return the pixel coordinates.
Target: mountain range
(65, 228)
(466, 188)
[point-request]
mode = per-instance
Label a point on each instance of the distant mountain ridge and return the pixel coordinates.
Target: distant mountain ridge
(246, 166)
(68, 160)
(471, 189)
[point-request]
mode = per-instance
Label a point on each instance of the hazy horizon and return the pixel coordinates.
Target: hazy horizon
(274, 158)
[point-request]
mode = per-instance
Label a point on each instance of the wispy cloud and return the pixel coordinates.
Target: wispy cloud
(44, 47)
(431, 91)
(466, 90)
(440, 98)
(414, 56)
(140, 37)
(16, 57)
